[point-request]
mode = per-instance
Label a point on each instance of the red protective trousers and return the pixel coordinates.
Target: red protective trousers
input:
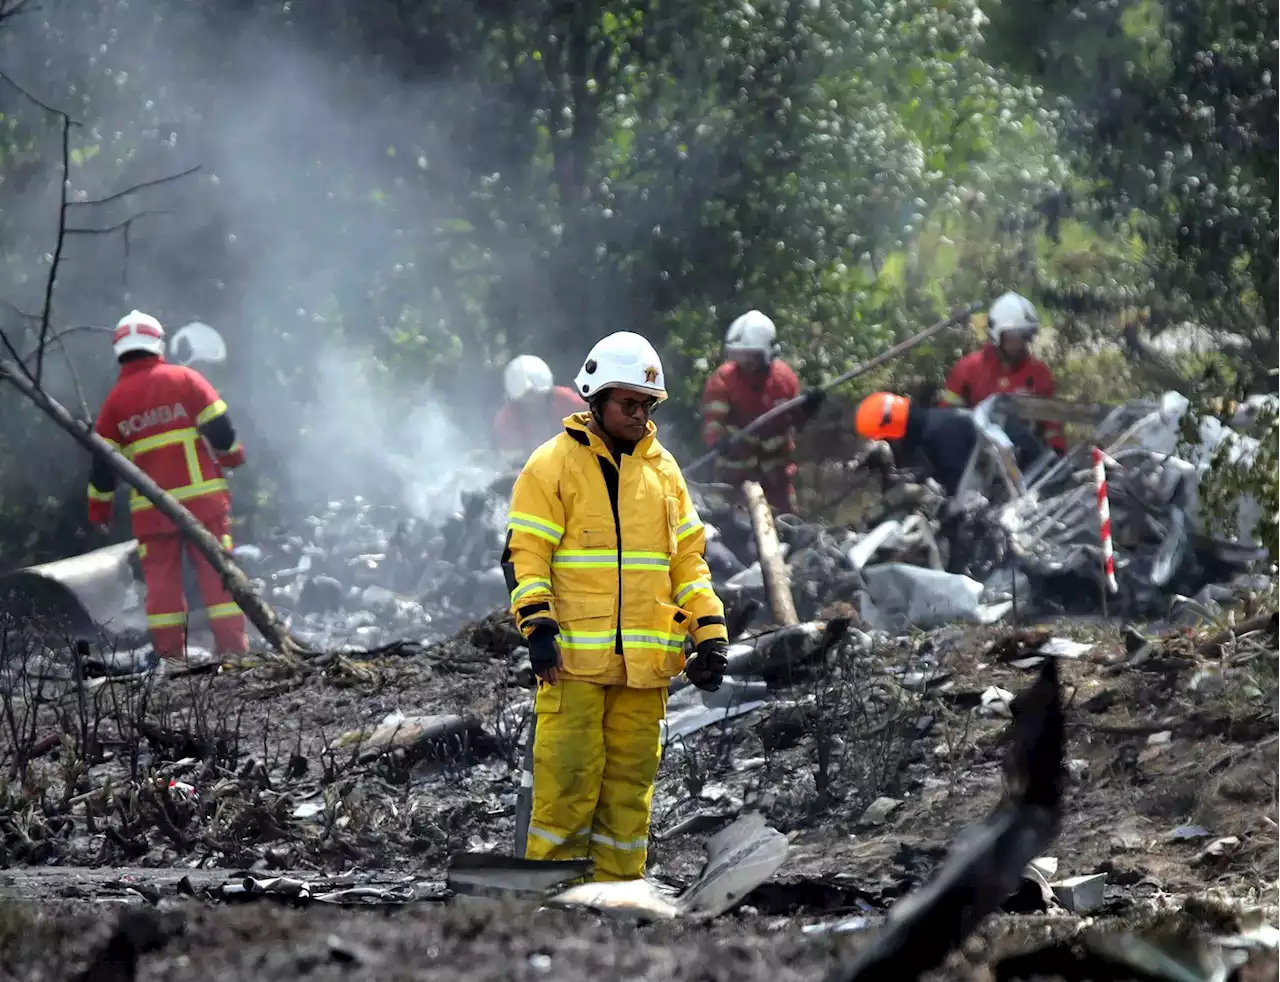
(161, 557)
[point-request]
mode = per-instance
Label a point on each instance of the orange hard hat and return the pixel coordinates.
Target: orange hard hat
(882, 416)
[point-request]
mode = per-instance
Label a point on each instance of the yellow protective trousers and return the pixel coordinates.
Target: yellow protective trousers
(595, 754)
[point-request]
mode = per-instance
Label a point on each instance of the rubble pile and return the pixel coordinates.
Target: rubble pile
(363, 575)
(1013, 538)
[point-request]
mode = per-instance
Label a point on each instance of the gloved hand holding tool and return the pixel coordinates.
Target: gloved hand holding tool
(544, 655)
(705, 667)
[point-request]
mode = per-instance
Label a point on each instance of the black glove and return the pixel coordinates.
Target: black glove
(813, 400)
(705, 668)
(544, 656)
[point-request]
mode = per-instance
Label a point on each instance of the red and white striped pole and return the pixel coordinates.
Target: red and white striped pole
(1104, 518)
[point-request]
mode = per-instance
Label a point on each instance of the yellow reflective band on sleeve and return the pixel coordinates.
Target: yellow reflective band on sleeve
(951, 398)
(222, 611)
(686, 528)
(715, 408)
(96, 495)
(646, 560)
(211, 411)
(110, 442)
(586, 558)
(751, 463)
(774, 442)
(715, 426)
(527, 587)
(687, 590)
(772, 463)
(167, 620)
(660, 640)
(519, 521)
(226, 542)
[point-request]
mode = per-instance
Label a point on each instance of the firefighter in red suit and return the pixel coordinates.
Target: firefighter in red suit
(535, 408)
(170, 422)
(1005, 364)
(752, 381)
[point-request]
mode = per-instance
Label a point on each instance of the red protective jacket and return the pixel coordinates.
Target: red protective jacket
(525, 425)
(983, 373)
(169, 421)
(733, 398)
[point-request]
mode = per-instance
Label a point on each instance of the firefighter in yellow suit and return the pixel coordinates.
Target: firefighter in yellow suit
(607, 578)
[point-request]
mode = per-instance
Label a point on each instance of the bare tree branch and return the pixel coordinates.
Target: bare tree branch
(12, 8)
(108, 229)
(45, 106)
(19, 311)
(47, 310)
(136, 187)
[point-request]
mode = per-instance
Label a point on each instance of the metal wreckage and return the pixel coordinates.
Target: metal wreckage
(362, 575)
(1011, 544)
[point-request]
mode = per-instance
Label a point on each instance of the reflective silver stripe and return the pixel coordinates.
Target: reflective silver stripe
(528, 586)
(689, 589)
(534, 526)
(652, 640)
(645, 562)
(553, 838)
(688, 527)
(630, 846)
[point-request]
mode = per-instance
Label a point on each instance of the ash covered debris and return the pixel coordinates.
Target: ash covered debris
(1019, 532)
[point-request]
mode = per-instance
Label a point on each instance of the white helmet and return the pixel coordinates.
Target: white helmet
(623, 359)
(525, 374)
(753, 331)
(197, 343)
(1010, 313)
(138, 332)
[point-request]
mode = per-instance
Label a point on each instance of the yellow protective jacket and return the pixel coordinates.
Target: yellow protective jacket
(622, 615)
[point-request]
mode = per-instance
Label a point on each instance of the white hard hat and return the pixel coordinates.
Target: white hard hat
(525, 374)
(197, 343)
(622, 360)
(138, 332)
(753, 331)
(1011, 312)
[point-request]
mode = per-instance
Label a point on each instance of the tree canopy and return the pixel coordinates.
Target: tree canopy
(395, 198)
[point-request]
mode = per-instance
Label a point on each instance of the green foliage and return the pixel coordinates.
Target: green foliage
(485, 179)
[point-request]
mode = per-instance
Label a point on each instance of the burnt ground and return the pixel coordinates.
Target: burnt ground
(1185, 740)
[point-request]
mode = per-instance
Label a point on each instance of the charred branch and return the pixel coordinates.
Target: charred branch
(233, 578)
(133, 188)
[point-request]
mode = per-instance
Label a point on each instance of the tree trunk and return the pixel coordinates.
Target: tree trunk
(777, 579)
(257, 610)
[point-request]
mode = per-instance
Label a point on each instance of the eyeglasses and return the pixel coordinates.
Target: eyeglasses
(636, 407)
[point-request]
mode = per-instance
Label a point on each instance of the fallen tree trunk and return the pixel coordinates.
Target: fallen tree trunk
(777, 581)
(257, 610)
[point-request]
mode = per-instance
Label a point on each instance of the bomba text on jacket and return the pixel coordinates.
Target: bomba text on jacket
(156, 416)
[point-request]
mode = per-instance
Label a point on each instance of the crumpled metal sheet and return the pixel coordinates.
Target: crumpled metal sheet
(97, 593)
(911, 596)
(690, 710)
(739, 858)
